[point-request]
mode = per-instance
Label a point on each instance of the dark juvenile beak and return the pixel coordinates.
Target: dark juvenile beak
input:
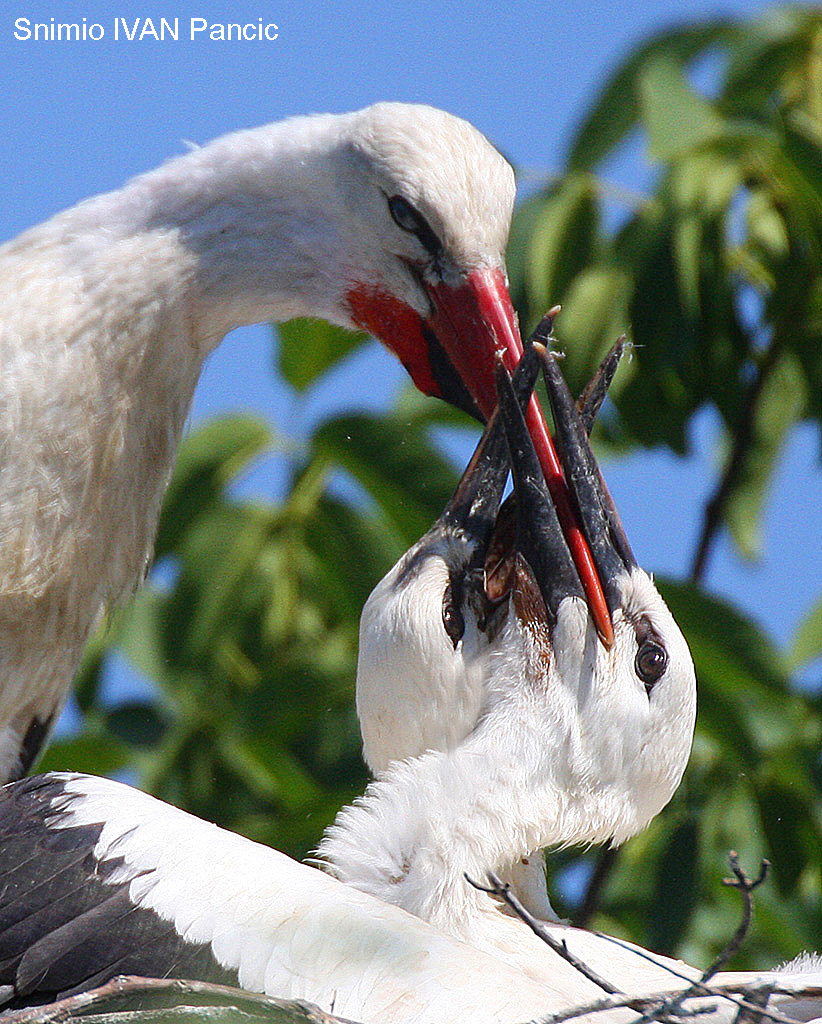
(475, 503)
(540, 538)
(593, 504)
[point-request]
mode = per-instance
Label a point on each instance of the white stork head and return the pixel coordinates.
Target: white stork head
(566, 740)
(393, 219)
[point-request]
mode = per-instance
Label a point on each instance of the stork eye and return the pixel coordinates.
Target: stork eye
(651, 661)
(409, 219)
(452, 618)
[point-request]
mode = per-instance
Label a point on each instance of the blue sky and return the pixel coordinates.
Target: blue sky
(80, 118)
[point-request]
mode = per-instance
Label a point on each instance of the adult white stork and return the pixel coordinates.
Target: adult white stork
(394, 218)
(577, 742)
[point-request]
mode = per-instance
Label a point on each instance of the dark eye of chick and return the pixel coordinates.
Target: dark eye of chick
(409, 219)
(650, 662)
(452, 618)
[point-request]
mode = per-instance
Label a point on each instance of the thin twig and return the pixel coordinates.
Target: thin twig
(668, 1006)
(502, 889)
(612, 1003)
(745, 1002)
(745, 886)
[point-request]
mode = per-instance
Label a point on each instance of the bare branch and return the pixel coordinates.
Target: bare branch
(749, 999)
(502, 889)
(203, 1001)
(745, 886)
(751, 1003)
(614, 1003)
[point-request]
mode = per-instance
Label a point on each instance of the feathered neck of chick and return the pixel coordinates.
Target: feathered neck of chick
(542, 768)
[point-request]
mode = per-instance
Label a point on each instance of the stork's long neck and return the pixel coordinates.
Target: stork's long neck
(240, 231)
(428, 822)
(539, 770)
(108, 311)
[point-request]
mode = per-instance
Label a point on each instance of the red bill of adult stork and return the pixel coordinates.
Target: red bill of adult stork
(575, 743)
(394, 218)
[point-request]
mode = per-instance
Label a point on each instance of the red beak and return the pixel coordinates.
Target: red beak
(469, 324)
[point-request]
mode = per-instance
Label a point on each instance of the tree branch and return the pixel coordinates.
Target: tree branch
(664, 1006)
(718, 502)
(144, 998)
(502, 889)
(749, 999)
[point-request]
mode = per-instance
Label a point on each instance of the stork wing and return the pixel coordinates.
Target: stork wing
(98, 879)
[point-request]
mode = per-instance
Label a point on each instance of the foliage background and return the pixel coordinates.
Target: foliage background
(249, 626)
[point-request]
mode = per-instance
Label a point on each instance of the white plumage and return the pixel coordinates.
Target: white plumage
(568, 748)
(108, 310)
(293, 932)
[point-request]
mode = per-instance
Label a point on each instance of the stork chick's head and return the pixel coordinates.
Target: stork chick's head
(622, 716)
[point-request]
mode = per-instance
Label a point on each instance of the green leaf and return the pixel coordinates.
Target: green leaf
(766, 54)
(617, 109)
(787, 811)
(562, 241)
(702, 186)
(141, 633)
(137, 723)
(780, 405)
(310, 347)
(743, 699)
(208, 459)
(677, 118)
(273, 775)
(522, 226)
(677, 889)
(417, 410)
(217, 556)
(715, 625)
(766, 228)
(801, 148)
(395, 463)
(593, 316)
(353, 549)
(807, 641)
(89, 752)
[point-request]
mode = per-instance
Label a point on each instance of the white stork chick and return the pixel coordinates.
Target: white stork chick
(394, 219)
(436, 689)
(572, 742)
